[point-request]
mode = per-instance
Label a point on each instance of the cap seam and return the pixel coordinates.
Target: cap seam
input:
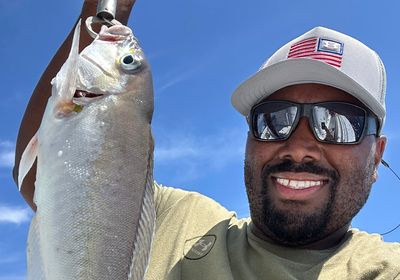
(381, 79)
(382, 83)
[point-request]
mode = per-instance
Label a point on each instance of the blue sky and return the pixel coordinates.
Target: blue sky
(199, 51)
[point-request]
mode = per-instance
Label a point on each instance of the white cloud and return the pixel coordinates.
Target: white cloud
(14, 215)
(10, 258)
(183, 148)
(177, 75)
(7, 159)
(7, 154)
(6, 144)
(171, 83)
(216, 150)
(197, 155)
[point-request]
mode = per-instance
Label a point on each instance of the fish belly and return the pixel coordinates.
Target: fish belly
(94, 193)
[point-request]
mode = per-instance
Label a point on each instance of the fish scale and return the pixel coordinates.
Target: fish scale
(94, 187)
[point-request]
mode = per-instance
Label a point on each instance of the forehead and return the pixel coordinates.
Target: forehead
(311, 93)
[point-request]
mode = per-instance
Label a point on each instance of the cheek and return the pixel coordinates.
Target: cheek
(255, 157)
(354, 158)
(258, 153)
(355, 166)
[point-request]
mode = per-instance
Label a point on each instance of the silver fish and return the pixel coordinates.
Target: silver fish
(94, 187)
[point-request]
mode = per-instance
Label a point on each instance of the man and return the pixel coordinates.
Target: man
(315, 110)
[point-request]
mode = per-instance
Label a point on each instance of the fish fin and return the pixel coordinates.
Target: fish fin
(35, 269)
(27, 159)
(145, 233)
(64, 83)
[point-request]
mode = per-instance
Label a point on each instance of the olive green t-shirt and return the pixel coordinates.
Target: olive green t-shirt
(196, 238)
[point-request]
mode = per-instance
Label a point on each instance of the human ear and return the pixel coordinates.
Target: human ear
(379, 150)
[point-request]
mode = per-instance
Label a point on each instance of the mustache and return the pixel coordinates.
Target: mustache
(309, 167)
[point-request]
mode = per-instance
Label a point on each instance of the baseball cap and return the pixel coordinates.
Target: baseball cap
(321, 56)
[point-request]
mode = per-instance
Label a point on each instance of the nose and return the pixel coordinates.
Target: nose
(301, 145)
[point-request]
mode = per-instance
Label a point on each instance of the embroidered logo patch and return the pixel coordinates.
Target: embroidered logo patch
(198, 247)
(326, 45)
(328, 51)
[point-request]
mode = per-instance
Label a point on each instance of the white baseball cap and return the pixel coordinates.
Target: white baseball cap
(321, 56)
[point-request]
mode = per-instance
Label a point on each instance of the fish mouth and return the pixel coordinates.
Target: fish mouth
(86, 94)
(82, 97)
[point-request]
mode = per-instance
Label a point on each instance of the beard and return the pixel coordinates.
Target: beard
(294, 227)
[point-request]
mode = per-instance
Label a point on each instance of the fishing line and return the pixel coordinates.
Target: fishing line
(393, 229)
(387, 165)
(395, 174)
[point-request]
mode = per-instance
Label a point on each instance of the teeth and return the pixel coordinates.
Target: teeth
(297, 185)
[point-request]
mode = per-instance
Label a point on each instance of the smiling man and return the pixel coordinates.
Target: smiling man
(323, 107)
(315, 110)
(303, 189)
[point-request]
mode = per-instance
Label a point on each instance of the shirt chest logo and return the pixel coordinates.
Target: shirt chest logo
(198, 247)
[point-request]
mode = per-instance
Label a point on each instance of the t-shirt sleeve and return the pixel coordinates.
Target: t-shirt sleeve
(171, 199)
(166, 198)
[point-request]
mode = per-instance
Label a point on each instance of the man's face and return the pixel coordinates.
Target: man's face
(337, 178)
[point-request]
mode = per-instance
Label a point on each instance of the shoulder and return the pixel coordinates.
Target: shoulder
(368, 254)
(170, 200)
(372, 243)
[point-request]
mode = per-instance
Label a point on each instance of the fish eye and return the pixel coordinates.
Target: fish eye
(130, 62)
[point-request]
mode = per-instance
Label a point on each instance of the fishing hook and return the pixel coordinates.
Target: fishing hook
(105, 15)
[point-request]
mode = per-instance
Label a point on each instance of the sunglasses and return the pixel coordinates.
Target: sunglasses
(331, 122)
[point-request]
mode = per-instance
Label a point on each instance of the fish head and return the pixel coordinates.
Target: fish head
(113, 65)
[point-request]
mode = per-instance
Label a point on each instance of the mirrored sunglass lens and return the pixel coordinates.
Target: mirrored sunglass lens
(274, 121)
(338, 123)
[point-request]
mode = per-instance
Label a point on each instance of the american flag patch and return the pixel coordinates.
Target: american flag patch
(325, 50)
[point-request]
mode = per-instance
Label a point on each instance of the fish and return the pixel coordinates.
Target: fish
(94, 148)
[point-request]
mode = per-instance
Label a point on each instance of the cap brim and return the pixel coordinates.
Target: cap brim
(298, 71)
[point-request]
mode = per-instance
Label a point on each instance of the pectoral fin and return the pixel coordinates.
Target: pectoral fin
(27, 159)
